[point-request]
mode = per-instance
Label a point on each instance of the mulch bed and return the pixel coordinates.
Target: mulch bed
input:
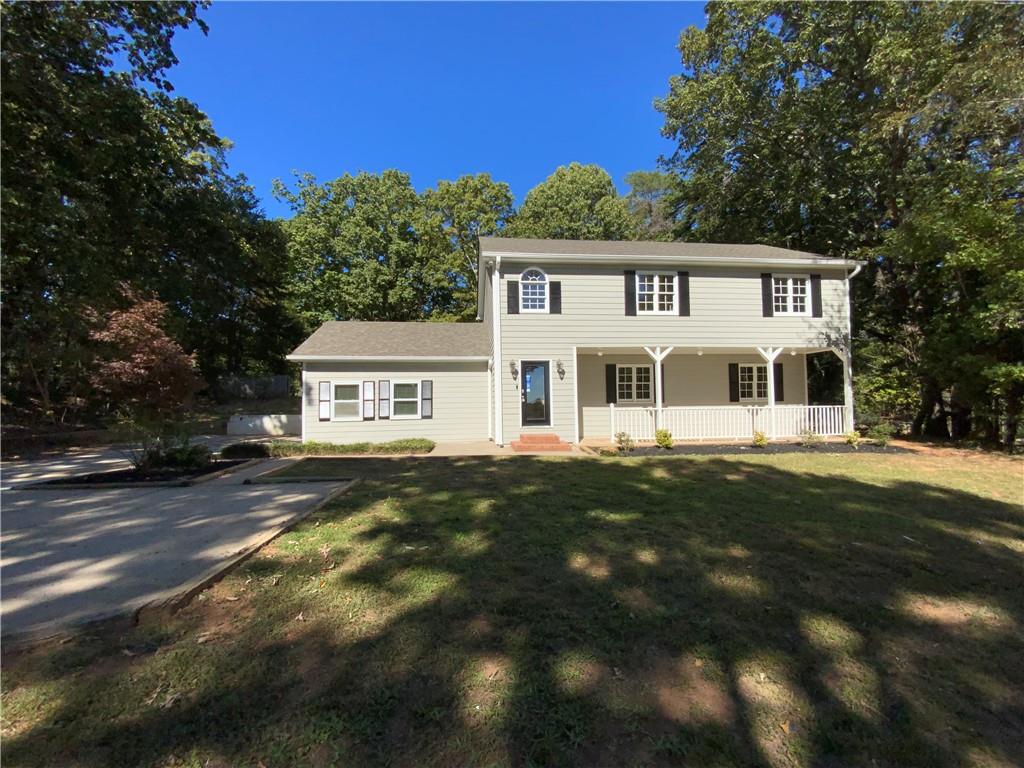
(165, 475)
(719, 449)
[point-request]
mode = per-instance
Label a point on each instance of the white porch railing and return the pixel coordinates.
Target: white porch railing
(729, 422)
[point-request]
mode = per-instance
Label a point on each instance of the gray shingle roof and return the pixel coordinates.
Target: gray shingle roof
(640, 248)
(358, 338)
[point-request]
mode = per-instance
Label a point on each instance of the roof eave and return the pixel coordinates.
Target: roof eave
(300, 358)
(547, 256)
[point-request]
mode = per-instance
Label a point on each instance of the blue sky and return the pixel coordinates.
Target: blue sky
(436, 90)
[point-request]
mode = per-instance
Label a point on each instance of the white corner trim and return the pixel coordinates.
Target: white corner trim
(575, 397)
(496, 360)
(302, 405)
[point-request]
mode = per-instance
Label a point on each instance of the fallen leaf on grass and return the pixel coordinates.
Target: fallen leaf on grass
(300, 617)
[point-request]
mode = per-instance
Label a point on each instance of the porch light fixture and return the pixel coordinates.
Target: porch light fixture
(792, 353)
(700, 353)
(561, 369)
(513, 369)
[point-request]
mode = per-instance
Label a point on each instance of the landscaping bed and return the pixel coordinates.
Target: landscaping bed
(739, 449)
(283, 448)
(137, 477)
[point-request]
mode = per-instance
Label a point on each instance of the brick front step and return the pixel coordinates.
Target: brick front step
(534, 438)
(540, 445)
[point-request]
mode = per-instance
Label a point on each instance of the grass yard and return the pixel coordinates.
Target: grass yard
(794, 610)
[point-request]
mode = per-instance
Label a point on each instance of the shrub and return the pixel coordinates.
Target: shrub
(624, 441)
(760, 440)
(663, 438)
(853, 439)
(314, 448)
(881, 433)
(809, 437)
(245, 451)
(188, 457)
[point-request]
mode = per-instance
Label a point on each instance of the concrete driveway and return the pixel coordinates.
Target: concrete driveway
(73, 556)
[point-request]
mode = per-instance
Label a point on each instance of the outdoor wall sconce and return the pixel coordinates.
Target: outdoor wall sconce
(512, 368)
(561, 369)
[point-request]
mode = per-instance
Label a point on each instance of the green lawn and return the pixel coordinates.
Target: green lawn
(795, 610)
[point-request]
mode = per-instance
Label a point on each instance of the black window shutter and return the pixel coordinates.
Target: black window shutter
(766, 294)
(368, 400)
(555, 297)
(513, 297)
(734, 382)
(684, 294)
(630, 275)
(779, 396)
(610, 384)
(384, 398)
(324, 400)
(815, 295)
(426, 399)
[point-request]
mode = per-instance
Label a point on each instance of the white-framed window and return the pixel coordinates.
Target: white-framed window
(655, 293)
(633, 383)
(789, 295)
(533, 291)
(753, 381)
(346, 401)
(405, 399)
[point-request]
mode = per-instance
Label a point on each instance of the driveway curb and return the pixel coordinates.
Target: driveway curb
(171, 599)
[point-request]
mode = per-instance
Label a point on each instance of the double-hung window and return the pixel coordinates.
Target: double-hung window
(347, 404)
(634, 383)
(655, 293)
(405, 399)
(533, 291)
(789, 295)
(753, 382)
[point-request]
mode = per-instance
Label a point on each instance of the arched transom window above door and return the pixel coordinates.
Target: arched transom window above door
(533, 291)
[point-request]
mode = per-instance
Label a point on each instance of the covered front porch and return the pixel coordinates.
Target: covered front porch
(723, 394)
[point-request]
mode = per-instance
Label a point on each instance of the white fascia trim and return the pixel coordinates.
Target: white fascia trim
(385, 359)
(496, 362)
(661, 259)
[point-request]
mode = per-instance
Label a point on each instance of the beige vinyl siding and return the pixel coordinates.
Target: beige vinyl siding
(689, 380)
(460, 402)
(725, 311)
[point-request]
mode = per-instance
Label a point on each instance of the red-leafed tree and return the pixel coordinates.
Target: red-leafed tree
(142, 371)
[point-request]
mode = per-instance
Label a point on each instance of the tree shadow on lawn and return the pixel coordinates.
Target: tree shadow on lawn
(526, 611)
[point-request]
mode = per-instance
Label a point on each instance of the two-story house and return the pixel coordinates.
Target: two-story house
(586, 339)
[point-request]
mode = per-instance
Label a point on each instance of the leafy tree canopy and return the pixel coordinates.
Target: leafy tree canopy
(887, 131)
(368, 247)
(576, 202)
(109, 178)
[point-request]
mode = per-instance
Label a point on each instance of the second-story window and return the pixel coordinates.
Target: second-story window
(655, 293)
(533, 291)
(789, 294)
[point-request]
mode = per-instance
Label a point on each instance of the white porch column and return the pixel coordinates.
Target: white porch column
(657, 355)
(768, 354)
(847, 359)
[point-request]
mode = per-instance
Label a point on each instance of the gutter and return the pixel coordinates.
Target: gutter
(386, 359)
(662, 259)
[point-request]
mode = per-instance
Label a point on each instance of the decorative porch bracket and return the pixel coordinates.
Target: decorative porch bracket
(768, 354)
(658, 355)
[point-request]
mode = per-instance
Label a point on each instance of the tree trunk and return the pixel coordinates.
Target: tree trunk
(1013, 406)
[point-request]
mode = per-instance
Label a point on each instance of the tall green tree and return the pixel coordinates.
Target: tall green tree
(576, 202)
(650, 199)
(369, 247)
(110, 178)
(887, 131)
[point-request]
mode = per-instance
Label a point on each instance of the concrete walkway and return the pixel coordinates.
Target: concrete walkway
(74, 556)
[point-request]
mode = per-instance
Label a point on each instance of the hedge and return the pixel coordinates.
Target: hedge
(279, 448)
